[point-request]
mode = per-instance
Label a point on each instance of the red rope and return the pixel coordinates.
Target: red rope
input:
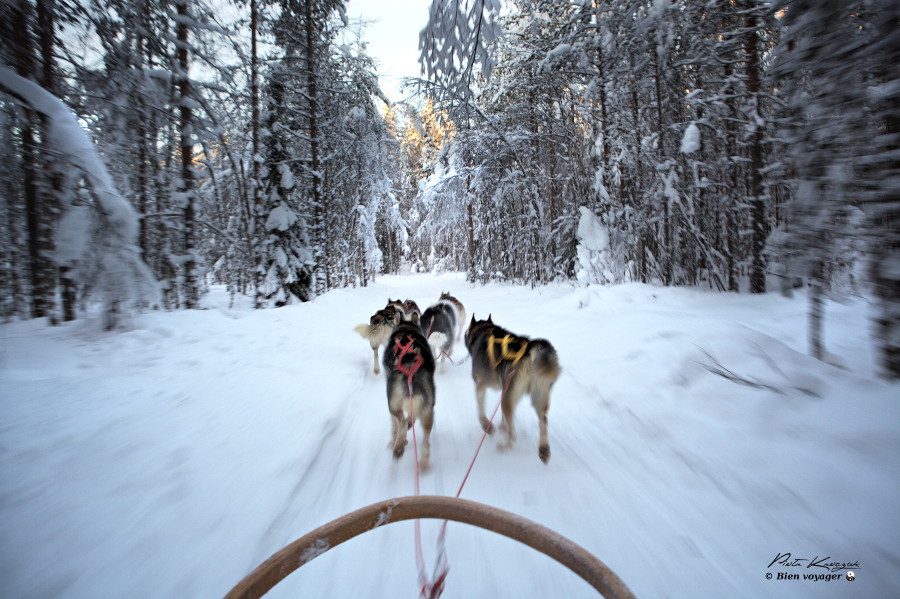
(433, 590)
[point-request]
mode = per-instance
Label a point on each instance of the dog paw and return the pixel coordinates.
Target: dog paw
(544, 453)
(486, 426)
(399, 448)
(505, 445)
(425, 464)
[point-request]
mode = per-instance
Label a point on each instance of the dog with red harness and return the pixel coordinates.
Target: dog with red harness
(409, 365)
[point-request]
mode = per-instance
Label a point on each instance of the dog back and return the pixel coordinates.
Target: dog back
(408, 357)
(411, 307)
(440, 318)
(496, 353)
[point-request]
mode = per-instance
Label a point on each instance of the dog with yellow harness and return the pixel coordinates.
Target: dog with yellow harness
(515, 365)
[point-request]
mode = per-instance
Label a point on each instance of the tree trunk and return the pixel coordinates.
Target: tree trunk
(319, 253)
(757, 201)
(53, 192)
(255, 208)
(816, 313)
(144, 143)
(191, 283)
(23, 47)
(885, 214)
(664, 254)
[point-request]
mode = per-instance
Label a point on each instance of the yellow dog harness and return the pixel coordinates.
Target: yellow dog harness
(505, 352)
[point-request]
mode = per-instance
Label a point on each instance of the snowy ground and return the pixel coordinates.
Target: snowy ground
(169, 460)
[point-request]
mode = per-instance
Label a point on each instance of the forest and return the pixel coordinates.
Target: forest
(153, 148)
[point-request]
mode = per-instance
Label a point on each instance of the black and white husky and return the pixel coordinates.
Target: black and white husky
(460, 312)
(439, 325)
(516, 365)
(409, 365)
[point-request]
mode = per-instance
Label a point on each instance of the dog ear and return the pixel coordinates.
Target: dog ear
(489, 319)
(415, 318)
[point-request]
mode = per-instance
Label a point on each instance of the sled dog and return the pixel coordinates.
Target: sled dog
(379, 329)
(439, 325)
(460, 312)
(396, 305)
(409, 366)
(410, 307)
(516, 365)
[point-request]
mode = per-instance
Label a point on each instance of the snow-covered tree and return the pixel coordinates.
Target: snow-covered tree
(96, 241)
(830, 75)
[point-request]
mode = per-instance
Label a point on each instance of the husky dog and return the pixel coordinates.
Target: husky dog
(409, 366)
(410, 307)
(439, 325)
(397, 305)
(460, 312)
(379, 329)
(516, 365)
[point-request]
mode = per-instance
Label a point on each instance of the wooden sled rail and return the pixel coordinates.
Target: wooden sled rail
(313, 544)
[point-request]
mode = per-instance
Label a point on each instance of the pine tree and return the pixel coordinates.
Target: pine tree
(822, 70)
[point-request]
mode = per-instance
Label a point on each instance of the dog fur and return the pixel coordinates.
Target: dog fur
(410, 307)
(521, 365)
(379, 329)
(397, 305)
(439, 325)
(460, 312)
(409, 366)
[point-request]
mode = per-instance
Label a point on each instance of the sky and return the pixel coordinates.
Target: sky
(392, 37)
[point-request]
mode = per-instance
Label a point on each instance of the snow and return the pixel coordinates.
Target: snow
(594, 260)
(287, 176)
(171, 459)
(70, 139)
(690, 142)
(72, 235)
(281, 218)
(591, 233)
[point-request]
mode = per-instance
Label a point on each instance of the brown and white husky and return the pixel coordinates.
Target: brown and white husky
(516, 365)
(380, 326)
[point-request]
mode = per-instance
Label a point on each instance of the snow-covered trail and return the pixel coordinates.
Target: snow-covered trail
(169, 460)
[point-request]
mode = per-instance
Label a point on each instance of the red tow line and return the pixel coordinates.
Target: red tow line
(427, 588)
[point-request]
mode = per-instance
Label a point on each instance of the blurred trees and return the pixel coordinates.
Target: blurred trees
(251, 148)
(731, 143)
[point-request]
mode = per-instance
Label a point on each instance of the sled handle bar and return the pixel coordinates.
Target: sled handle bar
(315, 543)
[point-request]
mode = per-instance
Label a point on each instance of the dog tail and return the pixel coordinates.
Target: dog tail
(364, 330)
(436, 342)
(544, 360)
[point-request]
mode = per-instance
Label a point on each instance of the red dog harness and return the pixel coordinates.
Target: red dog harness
(400, 351)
